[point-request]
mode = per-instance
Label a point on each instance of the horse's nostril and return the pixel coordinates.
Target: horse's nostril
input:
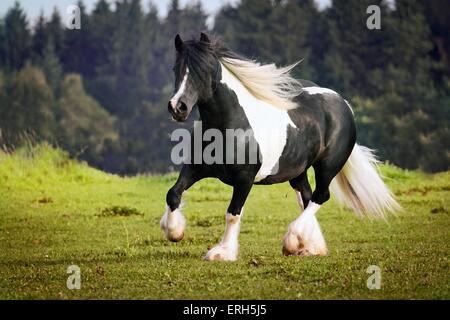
(183, 107)
(169, 106)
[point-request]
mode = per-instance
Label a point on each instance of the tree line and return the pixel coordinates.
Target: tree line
(101, 92)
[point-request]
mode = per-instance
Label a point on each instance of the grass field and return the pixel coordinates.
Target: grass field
(55, 212)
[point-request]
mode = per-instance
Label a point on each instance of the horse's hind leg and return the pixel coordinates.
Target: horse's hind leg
(304, 236)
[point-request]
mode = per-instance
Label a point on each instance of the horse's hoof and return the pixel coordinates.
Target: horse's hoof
(175, 237)
(295, 245)
(173, 225)
(292, 244)
(302, 252)
(287, 252)
(299, 253)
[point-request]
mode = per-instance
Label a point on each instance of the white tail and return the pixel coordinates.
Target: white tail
(360, 187)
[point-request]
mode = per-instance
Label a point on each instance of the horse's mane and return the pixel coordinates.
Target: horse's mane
(266, 82)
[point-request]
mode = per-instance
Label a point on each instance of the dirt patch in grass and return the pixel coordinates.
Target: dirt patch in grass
(203, 223)
(45, 200)
(439, 210)
(423, 191)
(120, 211)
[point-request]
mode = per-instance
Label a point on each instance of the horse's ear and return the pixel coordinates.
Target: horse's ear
(204, 38)
(179, 44)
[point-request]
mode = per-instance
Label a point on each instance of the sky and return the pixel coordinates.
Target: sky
(34, 7)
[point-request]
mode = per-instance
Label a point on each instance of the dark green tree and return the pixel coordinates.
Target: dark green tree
(291, 25)
(356, 56)
(128, 59)
(40, 38)
(158, 74)
(91, 51)
(246, 28)
(16, 38)
(55, 31)
(78, 48)
(436, 14)
(51, 66)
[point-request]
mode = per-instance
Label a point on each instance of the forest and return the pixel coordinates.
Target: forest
(101, 92)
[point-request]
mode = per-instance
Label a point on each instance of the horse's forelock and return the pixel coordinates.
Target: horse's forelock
(200, 57)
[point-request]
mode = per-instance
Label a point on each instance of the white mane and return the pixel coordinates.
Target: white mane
(266, 82)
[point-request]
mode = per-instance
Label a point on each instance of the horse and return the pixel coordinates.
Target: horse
(295, 124)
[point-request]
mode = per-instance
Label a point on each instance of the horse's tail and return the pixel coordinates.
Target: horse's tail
(360, 187)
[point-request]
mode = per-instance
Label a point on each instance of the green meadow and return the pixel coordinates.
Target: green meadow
(56, 212)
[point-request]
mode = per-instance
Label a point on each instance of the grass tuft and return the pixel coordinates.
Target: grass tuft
(120, 211)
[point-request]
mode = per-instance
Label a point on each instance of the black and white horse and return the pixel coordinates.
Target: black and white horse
(295, 124)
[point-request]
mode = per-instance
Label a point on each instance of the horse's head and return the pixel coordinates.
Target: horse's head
(194, 69)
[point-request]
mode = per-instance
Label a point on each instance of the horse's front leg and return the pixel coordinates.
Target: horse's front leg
(228, 248)
(173, 222)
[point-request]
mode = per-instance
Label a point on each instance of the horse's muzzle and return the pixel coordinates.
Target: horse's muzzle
(178, 110)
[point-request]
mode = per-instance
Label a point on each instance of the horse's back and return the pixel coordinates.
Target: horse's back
(323, 123)
(328, 109)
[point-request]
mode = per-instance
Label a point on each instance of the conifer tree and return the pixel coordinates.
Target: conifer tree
(55, 31)
(50, 64)
(249, 28)
(357, 54)
(16, 38)
(40, 37)
(77, 53)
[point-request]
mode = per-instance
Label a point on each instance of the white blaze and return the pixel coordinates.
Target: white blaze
(180, 91)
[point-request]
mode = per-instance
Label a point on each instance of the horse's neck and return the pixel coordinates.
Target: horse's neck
(209, 116)
(219, 111)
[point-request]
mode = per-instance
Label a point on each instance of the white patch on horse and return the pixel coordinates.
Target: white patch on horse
(228, 248)
(304, 236)
(173, 224)
(269, 124)
(180, 91)
(318, 90)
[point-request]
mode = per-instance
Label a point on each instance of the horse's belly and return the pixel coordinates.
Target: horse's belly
(285, 172)
(271, 142)
(299, 152)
